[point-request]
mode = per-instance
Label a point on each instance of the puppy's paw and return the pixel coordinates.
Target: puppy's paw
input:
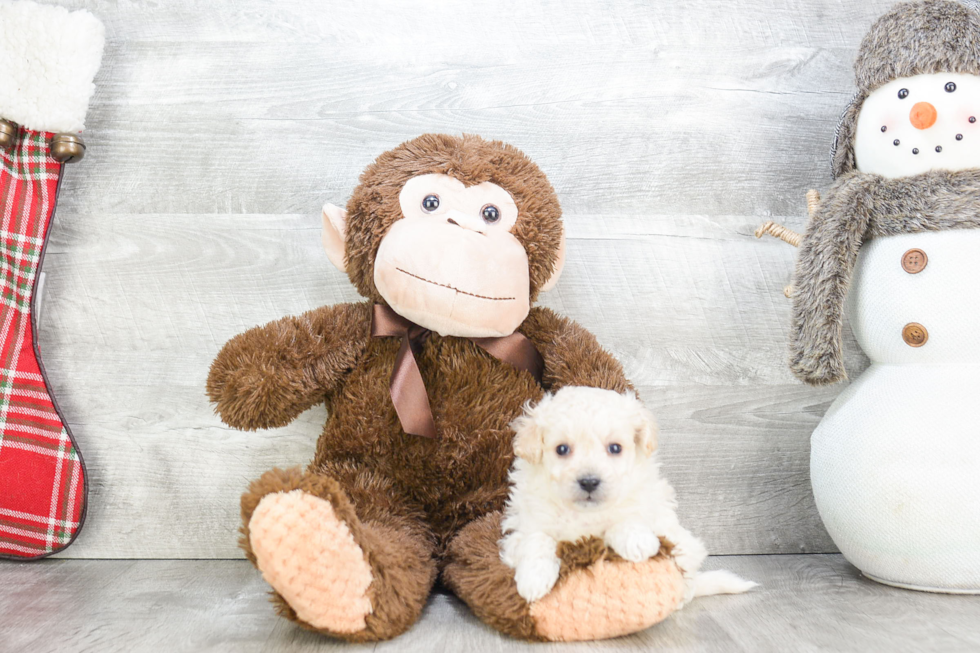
(634, 542)
(536, 576)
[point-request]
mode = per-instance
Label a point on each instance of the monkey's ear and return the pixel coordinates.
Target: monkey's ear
(334, 229)
(559, 265)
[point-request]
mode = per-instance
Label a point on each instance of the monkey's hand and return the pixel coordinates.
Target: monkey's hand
(266, 376)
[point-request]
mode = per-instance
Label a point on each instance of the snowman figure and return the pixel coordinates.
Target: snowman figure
(895, 462)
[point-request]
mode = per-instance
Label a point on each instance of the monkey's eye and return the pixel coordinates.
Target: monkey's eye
(430, 203)
(562, 450)
(904, 93)
(950, 87)
(490, 214)
(615, 448)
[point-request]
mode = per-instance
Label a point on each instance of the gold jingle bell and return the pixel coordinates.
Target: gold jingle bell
(8, 133)
(67, 148)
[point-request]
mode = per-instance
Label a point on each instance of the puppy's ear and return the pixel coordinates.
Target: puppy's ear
(528, 438)
(646, 432)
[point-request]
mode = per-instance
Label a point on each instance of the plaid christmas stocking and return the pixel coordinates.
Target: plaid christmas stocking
(48, 58)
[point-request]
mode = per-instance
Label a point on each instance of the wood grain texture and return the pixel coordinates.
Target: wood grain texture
(805, 603)
(670, 130)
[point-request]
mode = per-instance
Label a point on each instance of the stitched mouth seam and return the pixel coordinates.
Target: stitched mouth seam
(445, 285)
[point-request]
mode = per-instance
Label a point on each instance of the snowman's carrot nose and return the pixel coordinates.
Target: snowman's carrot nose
(923, 115)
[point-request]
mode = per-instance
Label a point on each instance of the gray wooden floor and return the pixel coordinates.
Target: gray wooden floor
(669, 129)
(806, 603)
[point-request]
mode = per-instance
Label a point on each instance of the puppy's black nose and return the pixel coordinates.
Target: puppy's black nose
(589, 483)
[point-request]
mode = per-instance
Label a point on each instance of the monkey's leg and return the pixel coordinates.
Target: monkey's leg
(345, 553)
(598, 594)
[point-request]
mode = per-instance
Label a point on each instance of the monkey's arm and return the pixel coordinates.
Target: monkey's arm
(266, 376)
(571, 354)
(827, 257)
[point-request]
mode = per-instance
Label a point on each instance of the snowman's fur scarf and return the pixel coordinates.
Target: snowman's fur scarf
(914, 38)
(860, 206)
(48, 58)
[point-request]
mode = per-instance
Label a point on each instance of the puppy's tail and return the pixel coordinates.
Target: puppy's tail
(708, 583)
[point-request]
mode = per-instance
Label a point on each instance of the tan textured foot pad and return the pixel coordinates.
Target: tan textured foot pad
(609, 599)
(310, 557)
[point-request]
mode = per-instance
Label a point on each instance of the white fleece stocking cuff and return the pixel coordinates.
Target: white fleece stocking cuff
(48, 59)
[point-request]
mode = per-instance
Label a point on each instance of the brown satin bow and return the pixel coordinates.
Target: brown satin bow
(407, 387)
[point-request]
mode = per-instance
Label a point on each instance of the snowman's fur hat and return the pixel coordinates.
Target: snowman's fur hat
(917, 38)
(914, 38)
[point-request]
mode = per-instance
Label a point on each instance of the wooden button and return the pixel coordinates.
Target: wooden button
(914, 334)
(914, 261)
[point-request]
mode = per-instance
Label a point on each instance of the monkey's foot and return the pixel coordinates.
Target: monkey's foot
(608, 598)
(598, 594)
(339, 551)
(309, 556)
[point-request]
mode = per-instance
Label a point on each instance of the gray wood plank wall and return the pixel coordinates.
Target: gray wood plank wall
(669, 129)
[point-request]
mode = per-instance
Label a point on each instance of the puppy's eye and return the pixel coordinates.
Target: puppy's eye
(615, 448)
(562, 450)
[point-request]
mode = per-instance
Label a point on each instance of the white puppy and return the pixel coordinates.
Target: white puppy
(586, 466)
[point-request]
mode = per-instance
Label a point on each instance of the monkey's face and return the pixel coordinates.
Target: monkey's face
(452, 263)
(456, 233)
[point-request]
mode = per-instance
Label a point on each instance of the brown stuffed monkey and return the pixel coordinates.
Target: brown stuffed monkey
(450, 240)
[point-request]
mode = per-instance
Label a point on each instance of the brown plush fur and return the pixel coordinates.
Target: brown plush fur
(861, 206)
(405, 497)
(476, 574)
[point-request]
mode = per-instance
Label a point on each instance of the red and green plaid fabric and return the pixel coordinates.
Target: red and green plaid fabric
(42, 479)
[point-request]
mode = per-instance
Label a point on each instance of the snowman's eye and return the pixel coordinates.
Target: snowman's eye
(950, 87)
(904, 93)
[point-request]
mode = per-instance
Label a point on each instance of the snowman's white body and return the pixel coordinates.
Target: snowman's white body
(895, 463)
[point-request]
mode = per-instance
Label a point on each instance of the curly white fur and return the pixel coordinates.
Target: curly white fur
(586, 466)
(48, 58)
